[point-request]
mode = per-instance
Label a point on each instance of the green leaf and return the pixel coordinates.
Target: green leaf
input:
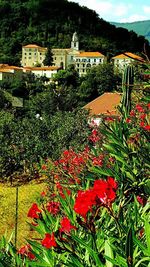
(109, 253)
(141, 246)
(129, 247)
(147, 232)
(90, 250)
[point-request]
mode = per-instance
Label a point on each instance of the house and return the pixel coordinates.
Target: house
(8, 73)
(86, 60)
(104, 105)
(120, 61)
(32, 55)
(47, 72)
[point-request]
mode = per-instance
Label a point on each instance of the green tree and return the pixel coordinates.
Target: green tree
(48, 61)
(98, 80)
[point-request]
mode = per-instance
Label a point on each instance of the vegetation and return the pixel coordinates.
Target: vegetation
(95, 211)
(59, 19)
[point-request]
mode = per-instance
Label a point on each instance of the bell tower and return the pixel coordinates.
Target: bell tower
(75, 42)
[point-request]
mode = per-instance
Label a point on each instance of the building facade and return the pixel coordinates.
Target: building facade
(122, 60)
(33, 55)
(85, 60)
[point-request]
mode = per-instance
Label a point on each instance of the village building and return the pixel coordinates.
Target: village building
(85, 60)
(122, 60)
(34, 55)
(8, 73)
(47, 72)
(104, 106)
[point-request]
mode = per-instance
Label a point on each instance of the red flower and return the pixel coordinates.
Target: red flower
(43, 194)
(49, 241)
(147, 127)
(142, 124)
(84, 202)
(66, 225)
(132, 113)
(109, 119)
(33, 211)
(25, 250)
(112, 183)
(139, 108)
(105, 190)
(44, 167)
(53, 207)
(141, 200)
(102, 193)
(143, 116)
(128, 120)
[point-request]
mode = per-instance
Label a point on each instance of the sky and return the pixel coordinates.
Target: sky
(119, 10)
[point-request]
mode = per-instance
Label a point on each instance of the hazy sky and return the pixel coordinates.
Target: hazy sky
(119, 10)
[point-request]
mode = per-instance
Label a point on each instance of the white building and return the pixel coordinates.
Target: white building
(86, 60)
(47, 72)
(122, 60)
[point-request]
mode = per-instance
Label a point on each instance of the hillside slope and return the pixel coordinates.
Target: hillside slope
(140, 27)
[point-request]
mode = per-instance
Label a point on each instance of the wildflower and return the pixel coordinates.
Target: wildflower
(139, 108)
(33, 211)
(49, 241)
(66, 226)
(43, 194)
(132, 113)
(128, 120)
(141, 200)
(105, 190)
(44, 167)
(53, 207)
(84, 202)
(143, 116)
(25, 251)
(147, 127)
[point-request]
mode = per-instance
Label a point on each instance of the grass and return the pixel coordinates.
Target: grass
(27, 194)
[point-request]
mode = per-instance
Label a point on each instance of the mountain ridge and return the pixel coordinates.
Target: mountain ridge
(140, 27)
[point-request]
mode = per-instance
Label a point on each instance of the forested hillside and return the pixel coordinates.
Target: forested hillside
(52, 23)
(140, 27)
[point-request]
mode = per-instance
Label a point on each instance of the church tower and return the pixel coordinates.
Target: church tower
(75, 42)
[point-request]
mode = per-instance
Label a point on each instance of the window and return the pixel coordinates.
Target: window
(100, 60)
(30, 54)
(29, 57)
(94, 59)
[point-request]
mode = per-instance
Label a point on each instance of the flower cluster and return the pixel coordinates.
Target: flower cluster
(139, 116)
(102, 193)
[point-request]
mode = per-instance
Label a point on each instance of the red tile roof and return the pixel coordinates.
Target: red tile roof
(31, 46)
(105, 104)
(90, 54)
(128, 55)
(45, 68)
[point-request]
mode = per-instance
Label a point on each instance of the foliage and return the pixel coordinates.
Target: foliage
(99, 79)
(48, 61)
(96, 210)
(23, 145)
